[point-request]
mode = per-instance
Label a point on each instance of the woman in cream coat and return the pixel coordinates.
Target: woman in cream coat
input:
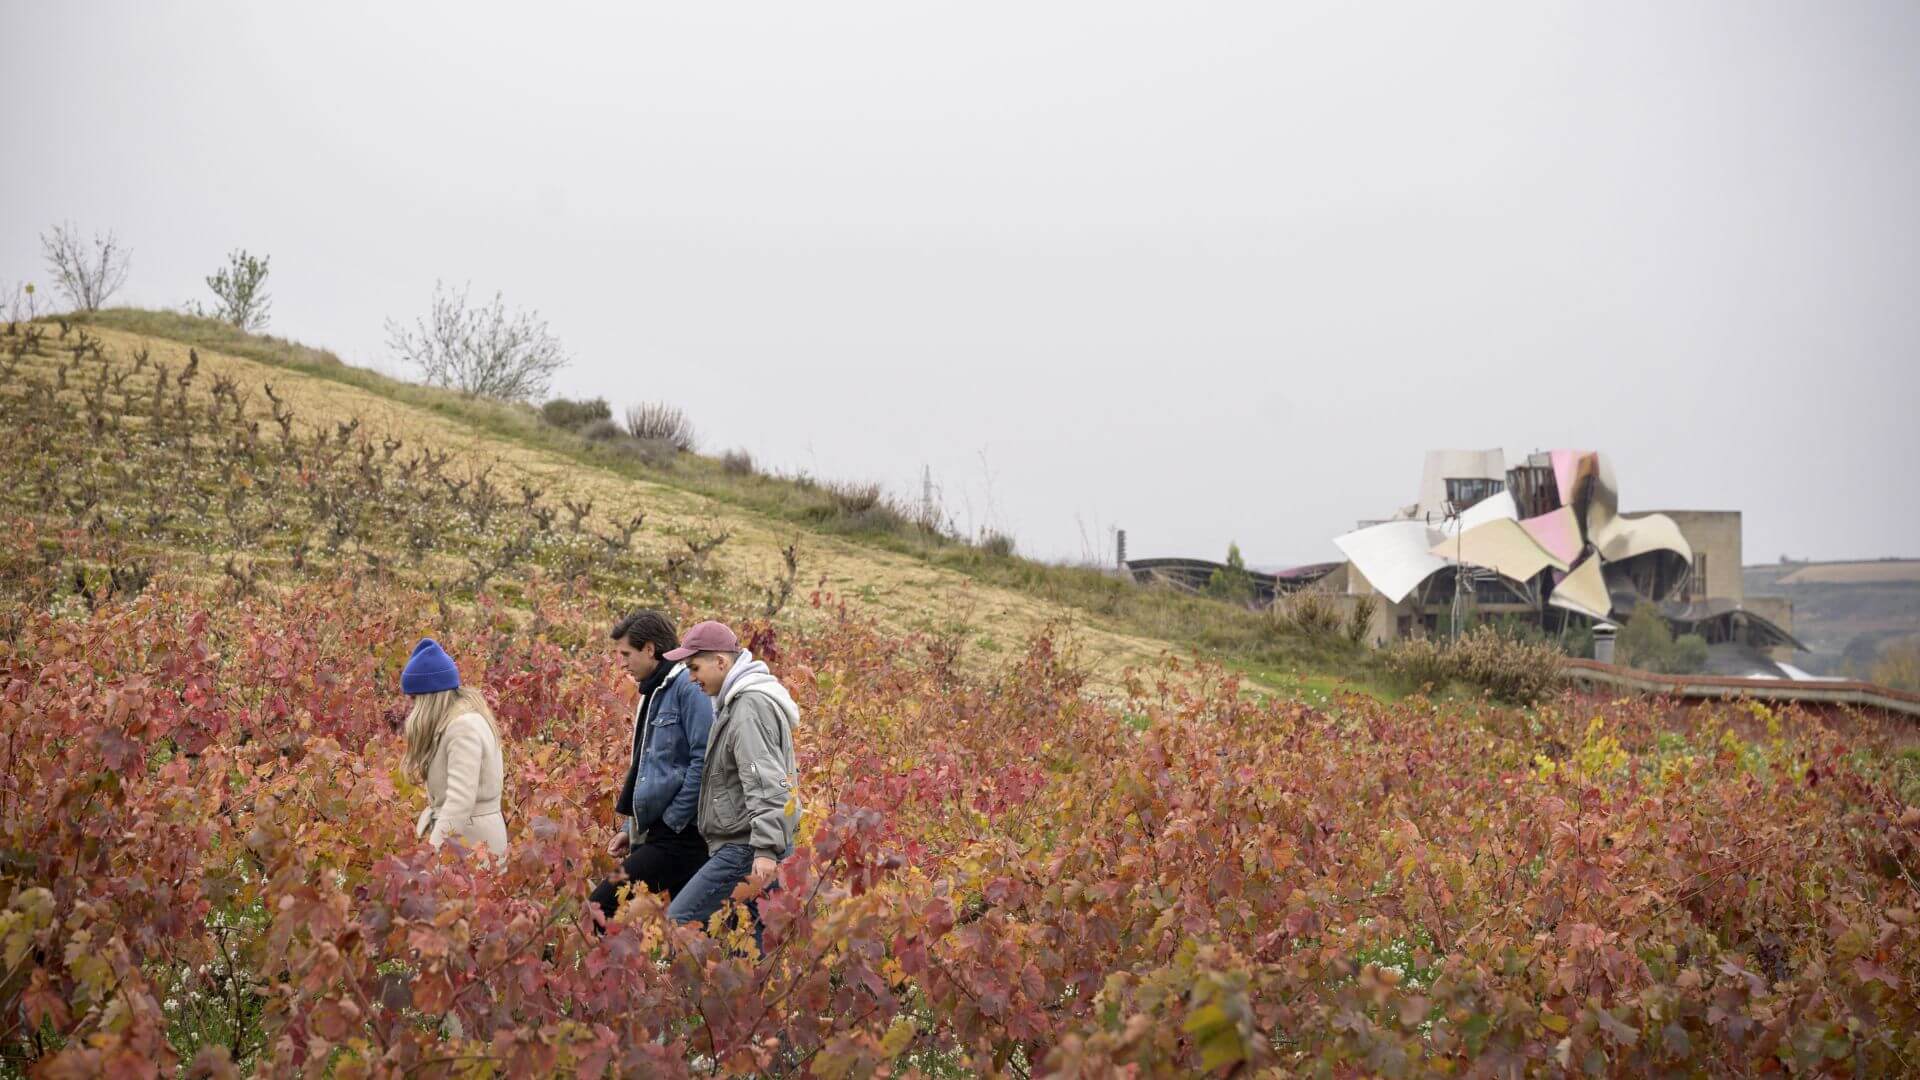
(453, 746)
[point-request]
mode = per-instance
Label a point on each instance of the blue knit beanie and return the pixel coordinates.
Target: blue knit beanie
(429, 670)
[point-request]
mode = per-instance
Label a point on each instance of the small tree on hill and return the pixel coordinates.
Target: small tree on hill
(88, 277)
(240, 288)
(1689, 655)
(23, 303)
(1647, 643)
(1646, 639)
(1232, 583)
(480, 351)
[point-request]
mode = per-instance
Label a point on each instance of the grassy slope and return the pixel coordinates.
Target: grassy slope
(1844, 611)
(901, 575)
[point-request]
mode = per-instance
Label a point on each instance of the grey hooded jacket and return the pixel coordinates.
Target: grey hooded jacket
(749, 794)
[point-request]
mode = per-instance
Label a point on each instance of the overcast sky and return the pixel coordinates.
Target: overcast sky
(1204, 271)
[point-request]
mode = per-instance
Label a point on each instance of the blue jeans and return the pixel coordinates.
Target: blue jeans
(712, 884)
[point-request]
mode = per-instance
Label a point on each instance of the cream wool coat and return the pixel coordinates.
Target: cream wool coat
(463, 787)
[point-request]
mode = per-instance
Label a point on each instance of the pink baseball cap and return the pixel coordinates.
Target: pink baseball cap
(708, 636)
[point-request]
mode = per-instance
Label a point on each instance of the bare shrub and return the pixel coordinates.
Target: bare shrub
(1510, 669)
(88, 277)
(1423, 662)
(736, 463)
(480, 351)
(782, 588)
(862, 507)
(1360, 617)
(850, 499)
(240, 286)
(996, 543)
(1314, 612)
(658, 420)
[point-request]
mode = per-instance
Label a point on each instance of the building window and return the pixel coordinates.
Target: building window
(1534, 489)
(1463, 493)
(1697, 579)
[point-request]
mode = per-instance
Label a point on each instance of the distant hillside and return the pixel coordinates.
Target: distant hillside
(1844, 611)
(850, 544)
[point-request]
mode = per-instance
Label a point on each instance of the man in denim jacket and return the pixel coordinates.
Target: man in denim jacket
(660, 837)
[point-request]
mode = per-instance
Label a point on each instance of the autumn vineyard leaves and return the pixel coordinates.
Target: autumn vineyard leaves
(207, 859)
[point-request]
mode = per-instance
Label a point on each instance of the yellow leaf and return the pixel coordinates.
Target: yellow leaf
(1207, 1021)
(898, 1037)
(1553, 1021)
(1223, 1048)
(832, 1065)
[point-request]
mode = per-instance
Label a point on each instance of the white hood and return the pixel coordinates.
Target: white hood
(751, 674)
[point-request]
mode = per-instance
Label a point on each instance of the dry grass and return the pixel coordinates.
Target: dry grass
(1509, 669)
(800, 506)
(895, 589)
(1313, 612)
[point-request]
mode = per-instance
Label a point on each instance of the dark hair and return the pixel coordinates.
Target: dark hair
(643, 626)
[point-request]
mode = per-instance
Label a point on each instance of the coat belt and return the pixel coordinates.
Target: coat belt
(483, 808)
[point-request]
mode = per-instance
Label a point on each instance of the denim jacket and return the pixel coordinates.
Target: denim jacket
(663, 777)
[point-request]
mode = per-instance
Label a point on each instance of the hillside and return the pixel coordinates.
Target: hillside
(213, 567)
(1844, 611)
(979, 604)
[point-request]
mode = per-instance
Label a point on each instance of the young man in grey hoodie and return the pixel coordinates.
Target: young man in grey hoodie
(749, 800)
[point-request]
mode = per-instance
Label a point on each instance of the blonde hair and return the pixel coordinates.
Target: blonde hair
(429, 719)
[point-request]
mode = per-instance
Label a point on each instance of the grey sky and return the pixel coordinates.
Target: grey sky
(1208, 272)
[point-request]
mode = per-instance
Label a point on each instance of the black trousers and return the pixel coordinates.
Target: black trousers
(662, 863)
